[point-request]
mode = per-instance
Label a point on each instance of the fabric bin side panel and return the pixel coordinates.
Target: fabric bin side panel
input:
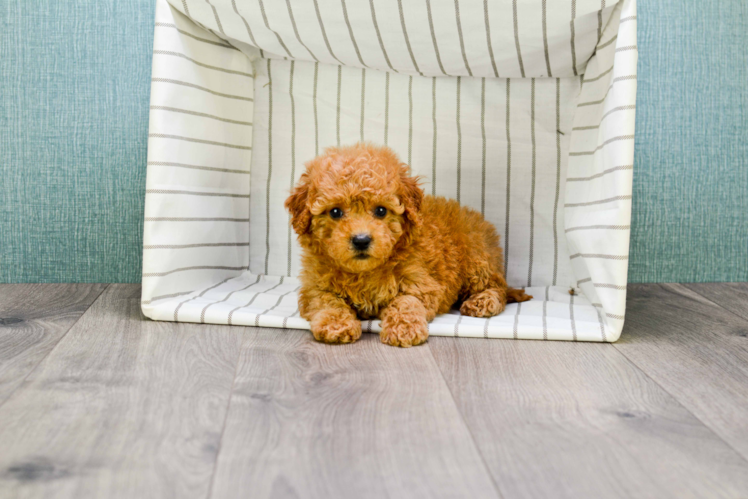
(600, 174)
(199, 151)
(527, 38)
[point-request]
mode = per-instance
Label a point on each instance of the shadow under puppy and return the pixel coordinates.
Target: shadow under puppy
(375, 247)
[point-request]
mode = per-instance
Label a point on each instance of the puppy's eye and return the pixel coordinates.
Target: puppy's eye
(336, 213)
(380, 212)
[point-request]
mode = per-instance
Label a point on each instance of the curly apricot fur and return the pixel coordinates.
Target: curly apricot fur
(426, 253)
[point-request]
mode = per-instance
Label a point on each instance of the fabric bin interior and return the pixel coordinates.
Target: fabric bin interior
(521, 110)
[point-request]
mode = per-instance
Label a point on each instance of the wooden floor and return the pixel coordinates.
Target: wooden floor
(96, 401)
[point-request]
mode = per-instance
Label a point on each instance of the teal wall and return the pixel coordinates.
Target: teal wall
(74, 88)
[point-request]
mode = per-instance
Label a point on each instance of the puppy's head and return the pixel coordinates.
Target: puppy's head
(356, 205)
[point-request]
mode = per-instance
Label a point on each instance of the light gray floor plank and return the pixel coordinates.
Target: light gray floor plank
(694, 349)
(560, 419)
(361, 420)
(731, 296)
(33, 318)
(122, 407)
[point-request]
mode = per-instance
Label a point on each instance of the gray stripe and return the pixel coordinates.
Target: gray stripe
(204, 89)
(459, 138)
(217, 68)
(324, 33)
(387, 108)
(600, 21)
(314, 99)
(194, 37)
(218, 21)
(193, 219)
(571, 317)
(196, 167)
(483, 138)
(285, 320)
(168, 296)
(545, 314)
(194, 245)
(231, 313)
(624, 49)
(532, 189)
(165, 273)
(508, 176)
(405, 34)
(202, 115)
(609, 285)
(457, 325)
(602, 325)
(459, 33)
(605, 172)
(433, 37)
(257, 318)
(516, 39)
(199, 141)
(179, 306)
(626, 19)
(616, 80)
(573, 37)
(410, 119)
(337, 115)
(296, 30)
(267, 25)
(603, 45)
(270, 165)
(516, 320)
(599, 256)
(485, 327)
(599, 76)
(614, 316)
(488, 38)
(350, 32)
(293, 156)
(246, 25)
(202, 313)
(363, 103)
(186, 9)
(598, 202)
(585, 280)
(584, 228)
(433, 152)
(379, 35)
(545, 41)
(614, 110)
(558, 180)
(601, 146)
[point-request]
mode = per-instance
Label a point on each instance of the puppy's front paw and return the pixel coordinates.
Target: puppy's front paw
(404, 329)
(336, 326)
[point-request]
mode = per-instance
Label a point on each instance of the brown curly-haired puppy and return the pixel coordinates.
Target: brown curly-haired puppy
(375, 247)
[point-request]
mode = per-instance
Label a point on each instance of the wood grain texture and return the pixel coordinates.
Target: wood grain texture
(694, 349)
(359, 420)
(122, 407)
(556, 419)
(33, 318)
(731, 296)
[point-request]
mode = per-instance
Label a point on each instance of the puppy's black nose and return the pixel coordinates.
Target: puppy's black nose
(361, 241)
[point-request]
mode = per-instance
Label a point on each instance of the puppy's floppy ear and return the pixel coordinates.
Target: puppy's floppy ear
(411, 195)
(297, 204)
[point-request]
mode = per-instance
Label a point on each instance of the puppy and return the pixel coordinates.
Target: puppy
(375, 247)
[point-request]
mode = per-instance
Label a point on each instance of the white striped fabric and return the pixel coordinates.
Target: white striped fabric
(547, 160)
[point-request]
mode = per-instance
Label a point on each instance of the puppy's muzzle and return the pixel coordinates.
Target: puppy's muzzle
(361, 242)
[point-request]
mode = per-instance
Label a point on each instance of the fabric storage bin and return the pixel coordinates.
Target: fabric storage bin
(523, 110)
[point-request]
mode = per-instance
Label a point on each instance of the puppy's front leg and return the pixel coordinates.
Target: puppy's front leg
(332, 320)
(404, 322)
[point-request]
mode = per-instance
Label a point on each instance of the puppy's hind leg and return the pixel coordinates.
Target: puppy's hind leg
(493, 299)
